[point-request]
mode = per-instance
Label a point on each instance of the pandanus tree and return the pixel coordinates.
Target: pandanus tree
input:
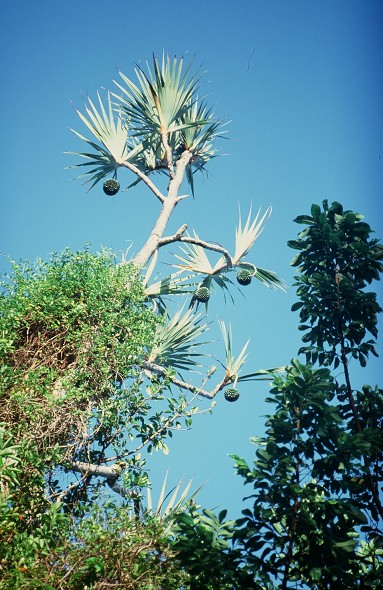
(159, 125)
(96, 361)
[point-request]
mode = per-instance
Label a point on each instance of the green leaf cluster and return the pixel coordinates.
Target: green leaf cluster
(47, 550)
(202, 540)
(30, 525)
(337, 260)
(304, 523)
(155, 120)
(72, 329)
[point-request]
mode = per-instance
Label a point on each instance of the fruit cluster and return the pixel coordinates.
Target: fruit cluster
(231, 395)
(111, 187)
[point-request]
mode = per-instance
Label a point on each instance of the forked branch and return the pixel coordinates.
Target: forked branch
(179, 237)
(168, 205)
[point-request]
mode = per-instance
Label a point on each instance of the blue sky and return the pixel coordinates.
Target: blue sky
(300, 82)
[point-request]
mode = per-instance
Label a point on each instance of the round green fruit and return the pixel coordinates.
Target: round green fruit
(244, 276)
(111, 187)
(231, 395)
(202, 294)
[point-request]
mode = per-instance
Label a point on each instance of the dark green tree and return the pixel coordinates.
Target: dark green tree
(316, 518)
(338, 260)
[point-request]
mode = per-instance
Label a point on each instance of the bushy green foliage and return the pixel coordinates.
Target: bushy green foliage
(30, 525)
(203, 544)
(75, 331)
(72, 329)
(338, 260)
(44, 549)
(110, 547)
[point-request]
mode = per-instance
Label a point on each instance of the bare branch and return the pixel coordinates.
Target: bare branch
(87, 469)
(111, 474)
(181, 197)
(144, 178)
(174, 238)
(179, 237)
(210, 246)
(162, 371)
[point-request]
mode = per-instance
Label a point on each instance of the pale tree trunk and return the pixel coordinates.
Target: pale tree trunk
(169, 203)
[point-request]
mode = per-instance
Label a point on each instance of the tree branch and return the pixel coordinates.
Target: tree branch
(174, 238)
(111, 474)
(144, 178)
(179, 237)
(209, 246)
(162, 371)
(85, 468)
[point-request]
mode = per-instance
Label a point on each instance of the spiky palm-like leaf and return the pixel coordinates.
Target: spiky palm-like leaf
(111, 133)
(148, 156)
(108, 129)
(199, 139)
(176, 341)
(194, 259)
(162, 102)
(170, 502)
(162, 97)
(246, 235)
(263, 374)
(171, 285)
(270, 279)
(175, 284)
(233, 364)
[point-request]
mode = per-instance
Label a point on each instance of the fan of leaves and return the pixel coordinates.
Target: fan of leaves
(194, 258)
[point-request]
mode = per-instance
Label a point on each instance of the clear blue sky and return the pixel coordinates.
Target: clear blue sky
(300, 81)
